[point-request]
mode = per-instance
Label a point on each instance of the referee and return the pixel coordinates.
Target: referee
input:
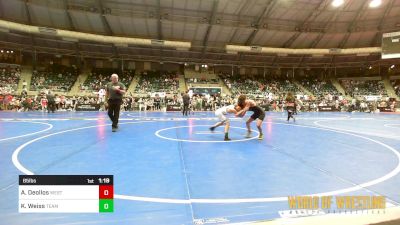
(186, 102)
(114, 92)
(51, 103)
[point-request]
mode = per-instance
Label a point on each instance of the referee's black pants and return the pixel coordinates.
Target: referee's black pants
(114, 106)
(51, 106)
(185, 109)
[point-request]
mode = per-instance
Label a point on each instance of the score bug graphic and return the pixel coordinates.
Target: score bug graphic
(66, 193)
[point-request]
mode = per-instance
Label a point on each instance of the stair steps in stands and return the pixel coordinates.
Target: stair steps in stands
(76, 88)
(134, 83)
(389, 88)
(305, 90)
(339, 87)
(26, 74)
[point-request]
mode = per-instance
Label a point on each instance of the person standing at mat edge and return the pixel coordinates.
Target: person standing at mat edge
(51, 102)
(290, 106)
(114, 92)
(186, 102)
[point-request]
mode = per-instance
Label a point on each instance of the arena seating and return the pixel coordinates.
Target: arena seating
(396, 86)
(319, 87)
(153, 81)
(9, 78)
(194, 81)
(55, 78)
(99, 77)
(258, 85)
(363, 87)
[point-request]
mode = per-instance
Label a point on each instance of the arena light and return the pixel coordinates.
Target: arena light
(8, 52)
(2, 51)
(12, 51)
(337, 3)
(392, 66)
(375, 3)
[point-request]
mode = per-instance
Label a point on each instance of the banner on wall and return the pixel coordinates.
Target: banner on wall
(206, 90)
(87, 107)
(173, 108)
(372, 97)
(161, 94)
(327, 109)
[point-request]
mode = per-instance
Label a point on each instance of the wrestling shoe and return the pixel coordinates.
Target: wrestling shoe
(248, 135)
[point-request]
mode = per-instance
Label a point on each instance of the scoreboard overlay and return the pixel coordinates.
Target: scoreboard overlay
(66, 193)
